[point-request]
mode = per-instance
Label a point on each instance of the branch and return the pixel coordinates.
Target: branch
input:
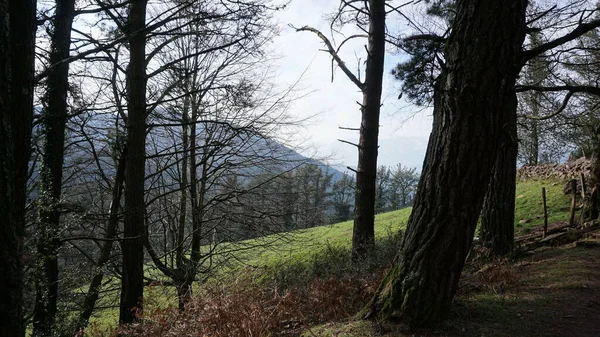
(559, 110)
(570, 88)
(427, 37)
(577, 32)
(540, 15)
(331, 50)
(350, 38)
(347, 142)
(109, 45)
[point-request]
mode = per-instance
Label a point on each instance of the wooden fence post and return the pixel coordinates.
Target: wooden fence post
(583, 187)
(573, 184)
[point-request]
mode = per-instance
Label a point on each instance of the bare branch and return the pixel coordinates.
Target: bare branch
(577, 32)
(562, 107)
(571, 88)
(541, 15)
(347, 142)
(427, 37)
(332, 51)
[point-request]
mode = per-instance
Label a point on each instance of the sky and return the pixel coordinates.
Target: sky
(404, 128)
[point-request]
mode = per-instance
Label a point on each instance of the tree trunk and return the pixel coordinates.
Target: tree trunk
(183, 185)
(473, 92)
(17, 45)
(498, 216)
(363, 235)
(593, 210)
(184, 294)
(535, 139)
(197, 198)
(54, 119)
(132, 289)
(93, 293)
(538, 73)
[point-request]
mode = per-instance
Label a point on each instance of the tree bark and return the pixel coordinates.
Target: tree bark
(17, 46)
(54, 118)
(363, 235)
(473, 92)
(498, 216)
(197, 197)
(593, 210)
(132, 290)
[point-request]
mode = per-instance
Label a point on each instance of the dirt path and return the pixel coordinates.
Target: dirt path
(550, 292)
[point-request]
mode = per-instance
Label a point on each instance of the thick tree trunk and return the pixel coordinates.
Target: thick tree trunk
(54, 118)
(498, 215)
(17, 36)
(363, 236)
(93, 293)
(132, 289)
(475, 89)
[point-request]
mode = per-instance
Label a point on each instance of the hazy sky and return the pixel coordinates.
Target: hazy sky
(404, 129)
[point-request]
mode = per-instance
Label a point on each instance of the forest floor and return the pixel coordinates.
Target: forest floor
(542, 291)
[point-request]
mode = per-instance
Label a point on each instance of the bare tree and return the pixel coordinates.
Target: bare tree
(132, 279)
(54, 118)
(371, 14)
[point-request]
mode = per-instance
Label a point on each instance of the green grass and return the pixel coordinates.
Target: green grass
(301, 245)
(529, 205)
(324, 251)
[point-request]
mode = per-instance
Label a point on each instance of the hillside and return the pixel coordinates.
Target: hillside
(316, 262)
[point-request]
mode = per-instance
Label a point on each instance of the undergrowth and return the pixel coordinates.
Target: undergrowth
(310, 278)
(295, 295)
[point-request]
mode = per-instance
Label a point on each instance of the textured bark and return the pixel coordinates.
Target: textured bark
(498, 215)
(474, 90)
(593, 210)
(363, 235)
(132, 288)
(54, 118)
(17, 36)
(89, 303)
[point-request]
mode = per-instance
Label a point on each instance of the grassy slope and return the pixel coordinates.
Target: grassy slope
(267, 255)
(528, 203)
(303, 244)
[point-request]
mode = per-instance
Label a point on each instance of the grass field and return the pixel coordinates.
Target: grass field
(303, 253)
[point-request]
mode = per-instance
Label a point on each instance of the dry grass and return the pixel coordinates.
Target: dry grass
(244, 310)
